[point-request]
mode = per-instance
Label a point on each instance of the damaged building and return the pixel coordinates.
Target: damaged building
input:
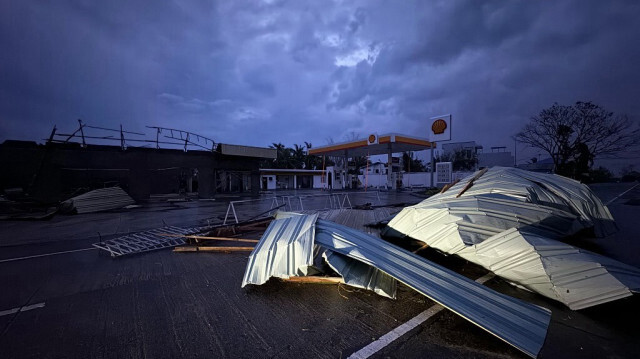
(54, 171)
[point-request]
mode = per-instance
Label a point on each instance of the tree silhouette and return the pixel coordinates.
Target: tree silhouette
(412, 164)
(575, 135)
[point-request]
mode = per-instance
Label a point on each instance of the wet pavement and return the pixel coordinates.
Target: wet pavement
(85, 304)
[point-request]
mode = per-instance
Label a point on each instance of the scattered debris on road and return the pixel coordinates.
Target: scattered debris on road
(294, 243)
(146, 241)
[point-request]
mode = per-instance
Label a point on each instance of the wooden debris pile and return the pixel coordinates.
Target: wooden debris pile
(240, 237)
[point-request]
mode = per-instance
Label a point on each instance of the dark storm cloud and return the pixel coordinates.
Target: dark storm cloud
(257, 72)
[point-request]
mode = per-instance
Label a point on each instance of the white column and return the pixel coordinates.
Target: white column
(346, 167)
(432, 165)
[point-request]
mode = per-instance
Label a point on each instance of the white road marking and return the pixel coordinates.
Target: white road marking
(403, 329)
(621, 194)
(21, 309)
(45, 255)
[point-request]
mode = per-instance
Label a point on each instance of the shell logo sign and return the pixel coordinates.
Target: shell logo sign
(439, 126)
(372, 139)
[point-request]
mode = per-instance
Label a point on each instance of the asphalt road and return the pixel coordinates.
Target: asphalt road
(84, 304)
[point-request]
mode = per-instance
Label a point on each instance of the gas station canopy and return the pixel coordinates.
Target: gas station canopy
(374, 145)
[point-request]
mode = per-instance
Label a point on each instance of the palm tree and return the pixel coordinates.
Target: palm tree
(283, 156)
(412, 164)
(298, 156)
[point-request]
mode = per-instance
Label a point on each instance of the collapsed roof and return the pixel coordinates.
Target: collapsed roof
(510, 221)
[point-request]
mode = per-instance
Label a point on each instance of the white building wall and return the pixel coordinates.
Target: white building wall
(378, 166)
(336, 183)
(373, 180)
(417, 179)
(271, 181)
(317, 181)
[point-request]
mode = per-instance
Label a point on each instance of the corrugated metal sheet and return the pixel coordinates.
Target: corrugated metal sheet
(285, 250)
(576, 277)
(102, 199)
(508, 222)
(360, 275)
(518, 323)
(545, 189)
(450, 224)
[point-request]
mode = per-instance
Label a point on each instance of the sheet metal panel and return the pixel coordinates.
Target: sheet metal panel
(360, 275)
(102, 199)
(450, 224)
(508, 221)
(285, 250)
(518, 323)
(545, 189)
(576, 277)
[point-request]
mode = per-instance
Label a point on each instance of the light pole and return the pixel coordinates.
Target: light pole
(515, 152)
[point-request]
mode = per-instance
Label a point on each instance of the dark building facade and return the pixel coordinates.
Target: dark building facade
(54, 171)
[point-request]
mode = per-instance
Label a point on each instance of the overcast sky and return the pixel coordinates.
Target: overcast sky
(252, 72)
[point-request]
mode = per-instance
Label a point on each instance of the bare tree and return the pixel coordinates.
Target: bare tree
(351, 136)
(574, 135)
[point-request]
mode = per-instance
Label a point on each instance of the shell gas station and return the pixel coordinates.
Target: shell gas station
(385, 144)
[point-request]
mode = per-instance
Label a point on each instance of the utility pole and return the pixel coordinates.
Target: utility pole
(515, 152)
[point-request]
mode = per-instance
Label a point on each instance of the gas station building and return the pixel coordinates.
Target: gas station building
(372, 145)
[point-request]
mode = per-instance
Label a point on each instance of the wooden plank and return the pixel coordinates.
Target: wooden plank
(213, 238)
(212, 249)
(470, 183)
(421, 248)
(449, 185)
(315, 279)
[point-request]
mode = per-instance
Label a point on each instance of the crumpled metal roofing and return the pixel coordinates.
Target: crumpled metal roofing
(287, 249)
(549, 190)
(574, 276)
(508, 222)
(520, 324)
(360, 275)
(451, 223)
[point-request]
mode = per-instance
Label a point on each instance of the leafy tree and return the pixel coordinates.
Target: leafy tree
(311, 162)
(575, 135)
(462, 159)
(298, 156)
(293, 158)
(412, 164)
(284, 158)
